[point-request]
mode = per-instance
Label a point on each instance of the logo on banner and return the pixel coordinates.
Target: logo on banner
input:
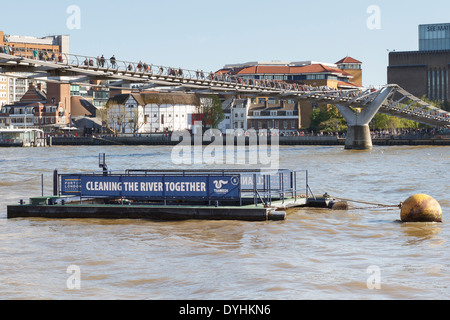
(218, 184)
(71, 185)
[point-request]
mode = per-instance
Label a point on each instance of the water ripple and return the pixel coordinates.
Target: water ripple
(314, 254)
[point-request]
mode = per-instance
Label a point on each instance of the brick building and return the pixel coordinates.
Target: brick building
(343, 75)
(25, 46)
(12, 89)
(48, 110)
(424, 72)
(283, 116)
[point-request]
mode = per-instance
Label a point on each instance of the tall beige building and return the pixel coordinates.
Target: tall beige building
(12, 89)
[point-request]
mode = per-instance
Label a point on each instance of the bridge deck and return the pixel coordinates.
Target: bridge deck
(76, 69)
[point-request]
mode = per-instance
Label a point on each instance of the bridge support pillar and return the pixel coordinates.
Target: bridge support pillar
(358, 134)
(358, 138)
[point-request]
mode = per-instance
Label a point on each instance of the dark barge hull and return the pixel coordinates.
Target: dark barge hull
(11, 144)
(162, 213)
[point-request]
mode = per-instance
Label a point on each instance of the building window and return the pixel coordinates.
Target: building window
(448, 95)
(429, 84)
(433, 87)
(443, 84)
(438, 85)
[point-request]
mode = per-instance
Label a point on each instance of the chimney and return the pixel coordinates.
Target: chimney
(39, 86)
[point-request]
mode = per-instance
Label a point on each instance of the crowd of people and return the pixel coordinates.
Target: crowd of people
(7, 49)
(143, 67)
(410, 133)
(102, 62)
(42, 55)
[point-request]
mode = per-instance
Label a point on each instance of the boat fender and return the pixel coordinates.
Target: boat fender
(276, 215)
(340, 205)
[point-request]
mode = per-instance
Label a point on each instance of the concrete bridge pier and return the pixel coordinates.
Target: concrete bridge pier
(358, 138)
(358, 134)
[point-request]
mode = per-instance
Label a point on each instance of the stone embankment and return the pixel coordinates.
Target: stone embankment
(161, 139)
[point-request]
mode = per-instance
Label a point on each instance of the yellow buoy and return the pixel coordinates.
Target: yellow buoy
(421, 208)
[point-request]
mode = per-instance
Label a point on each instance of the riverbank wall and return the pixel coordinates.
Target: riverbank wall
(283, 141)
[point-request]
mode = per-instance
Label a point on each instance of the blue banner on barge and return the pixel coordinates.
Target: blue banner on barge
(158, 186)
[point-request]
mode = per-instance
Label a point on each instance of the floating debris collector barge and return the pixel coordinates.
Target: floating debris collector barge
(250, 195)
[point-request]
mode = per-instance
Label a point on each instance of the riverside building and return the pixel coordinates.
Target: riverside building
(139, 113)
(37, 108)
(289, 116)
(28, 47)
(424, 72)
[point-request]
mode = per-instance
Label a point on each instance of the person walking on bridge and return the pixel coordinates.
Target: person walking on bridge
(113, 61)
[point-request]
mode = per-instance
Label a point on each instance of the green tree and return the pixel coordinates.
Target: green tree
(383, 121)
(328, 120)
(318, 116)
(212, 111)
(445, 105)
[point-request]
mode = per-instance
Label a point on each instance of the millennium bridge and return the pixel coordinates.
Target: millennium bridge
(358, 106)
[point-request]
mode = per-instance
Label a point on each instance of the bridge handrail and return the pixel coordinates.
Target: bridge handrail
(144, 69)
(106, 65)
(301, 91)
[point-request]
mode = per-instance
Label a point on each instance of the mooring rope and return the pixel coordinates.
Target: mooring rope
(370, 203)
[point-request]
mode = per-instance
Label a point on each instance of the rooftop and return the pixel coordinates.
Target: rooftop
(146, 98)
(348, 59)
(287, 69)
(33, 94)
(48, 40)
(278, 64)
